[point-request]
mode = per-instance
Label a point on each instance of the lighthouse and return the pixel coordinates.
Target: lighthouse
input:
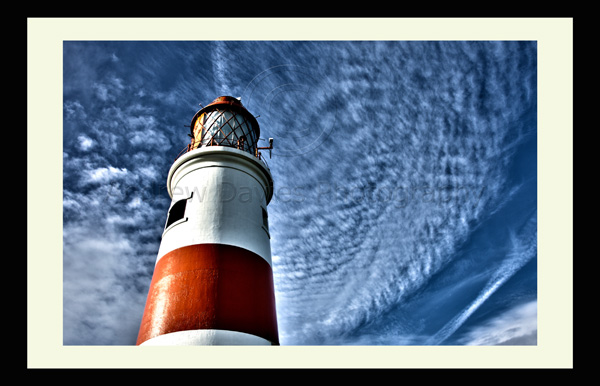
(213, 280)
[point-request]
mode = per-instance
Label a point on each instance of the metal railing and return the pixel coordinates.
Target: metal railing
(238, 146)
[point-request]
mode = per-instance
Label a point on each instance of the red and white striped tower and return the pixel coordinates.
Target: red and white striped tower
(213, 281)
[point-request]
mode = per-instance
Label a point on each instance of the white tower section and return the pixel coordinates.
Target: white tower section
(225, 192)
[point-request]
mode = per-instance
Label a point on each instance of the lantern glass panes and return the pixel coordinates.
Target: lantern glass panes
(224, 128)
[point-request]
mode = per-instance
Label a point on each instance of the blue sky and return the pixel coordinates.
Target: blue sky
(405, 206)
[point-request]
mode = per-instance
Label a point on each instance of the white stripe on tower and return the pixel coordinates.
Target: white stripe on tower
(226, 191)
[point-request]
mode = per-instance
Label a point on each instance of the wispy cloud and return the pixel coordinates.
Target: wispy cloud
(524, 248)
(415, 157)
(219, 68)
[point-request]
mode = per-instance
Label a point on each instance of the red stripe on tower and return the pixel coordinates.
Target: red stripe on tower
(211, 286)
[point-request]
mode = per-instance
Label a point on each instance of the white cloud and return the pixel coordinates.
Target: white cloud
(85, 142)
(101, 91)
(73, 110)
(517, 326)
(150, 139)
(135, 202)
(103, 299)
(108, 90)
(104, 174)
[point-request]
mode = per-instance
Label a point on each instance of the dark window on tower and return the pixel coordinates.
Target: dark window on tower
(265, 218)
(176, 212)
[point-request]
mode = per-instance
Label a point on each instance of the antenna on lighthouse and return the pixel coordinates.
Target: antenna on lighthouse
(270, 147)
